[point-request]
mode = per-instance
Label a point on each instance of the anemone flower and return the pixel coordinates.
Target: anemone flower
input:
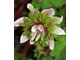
(38, 30)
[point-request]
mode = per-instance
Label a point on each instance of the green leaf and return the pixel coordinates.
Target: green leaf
(62, 11)
(24, 59)
(46, 4)
(58, 3)
(35, 55)
(57, 49)
(58, 45)
(17, 56)
(62, 55)
(47, 58)
(63, 52)
(36, 4)
(29, 59)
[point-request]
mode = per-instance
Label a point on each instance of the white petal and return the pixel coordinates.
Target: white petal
(31, 42)
(58, 31)
(38, 36)
(30, 7)
(33, 34)
(33, 29)
(57, 20)
(50, 11)
(20, 20)
(23, 39)
(51, 44)
(40, 28)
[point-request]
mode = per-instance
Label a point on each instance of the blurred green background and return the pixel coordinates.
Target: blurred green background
(59, 52)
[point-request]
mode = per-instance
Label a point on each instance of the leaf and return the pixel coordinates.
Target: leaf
(62, 55)
(17, 56)
(58, 46)
(36, 4)
(46, 4)
(35, 55)
(63, 52)
(60, 58)
(24, 59)
(29, 59)
(57, 49)
(62, 11)
(47, 58)
(58, 3)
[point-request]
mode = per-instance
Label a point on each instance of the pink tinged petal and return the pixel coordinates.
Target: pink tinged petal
(58, 31)
(20, 20)
(33, 34)
(23, 39)
(51, 44)
(57, 20)
(40, 28)
(50, 11)
(31, 42)
(38, 36)
(30, 7)
(33, 29)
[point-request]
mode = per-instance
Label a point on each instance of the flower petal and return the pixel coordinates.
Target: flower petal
(33, 29)
(58, 31)
(23, 39)
(31, 42)
(30, 7)
(57, 20)
(51, 44)
(40, 27)
(38, 36)
(33, 34)
(50, 11)
(20, 20)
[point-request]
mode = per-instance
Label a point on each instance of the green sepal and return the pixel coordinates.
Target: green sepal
(24, 34)
(54, 35)
(46, 24)
(22, 25)
(25, 18)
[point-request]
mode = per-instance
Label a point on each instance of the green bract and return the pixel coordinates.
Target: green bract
(37, 18)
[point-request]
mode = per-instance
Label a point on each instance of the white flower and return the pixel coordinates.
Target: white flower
(38, 30)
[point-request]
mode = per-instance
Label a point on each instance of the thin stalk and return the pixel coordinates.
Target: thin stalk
(48, 52)
(26, 48)
(18, 12)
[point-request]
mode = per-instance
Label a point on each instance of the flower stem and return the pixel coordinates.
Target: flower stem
(48, 52)
(18, 12)
(26, 48)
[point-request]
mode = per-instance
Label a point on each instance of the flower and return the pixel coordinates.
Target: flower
(38, 29)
